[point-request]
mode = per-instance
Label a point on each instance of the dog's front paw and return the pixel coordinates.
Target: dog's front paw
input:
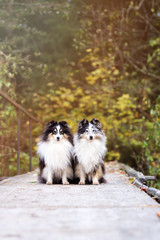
(66, 183)
(49, 183)
(95, 182)
(81, 183)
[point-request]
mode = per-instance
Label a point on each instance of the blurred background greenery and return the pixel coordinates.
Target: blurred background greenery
(75, 59)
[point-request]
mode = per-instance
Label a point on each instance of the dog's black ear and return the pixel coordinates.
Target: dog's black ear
(64, 123)
(51, 123)
(83, 123)
(96, 122)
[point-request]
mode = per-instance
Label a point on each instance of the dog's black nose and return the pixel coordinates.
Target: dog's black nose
(90, 137)
(58, 138)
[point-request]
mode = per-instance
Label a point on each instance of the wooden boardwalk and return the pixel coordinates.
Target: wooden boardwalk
(117, 210)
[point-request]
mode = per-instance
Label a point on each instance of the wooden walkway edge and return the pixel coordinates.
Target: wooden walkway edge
(117, 210)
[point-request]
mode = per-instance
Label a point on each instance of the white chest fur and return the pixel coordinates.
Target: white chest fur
(89, 153)
(56, 154)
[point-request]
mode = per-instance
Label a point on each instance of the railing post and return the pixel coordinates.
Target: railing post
(20, 109)
(18, 141)
(30, 145)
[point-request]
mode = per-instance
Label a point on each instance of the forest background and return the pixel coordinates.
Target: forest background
(75, 59)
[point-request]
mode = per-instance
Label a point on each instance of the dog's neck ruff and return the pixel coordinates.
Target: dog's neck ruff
(89, 153)
(56, 155)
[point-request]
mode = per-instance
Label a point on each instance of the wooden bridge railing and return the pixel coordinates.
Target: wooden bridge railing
(19, 109)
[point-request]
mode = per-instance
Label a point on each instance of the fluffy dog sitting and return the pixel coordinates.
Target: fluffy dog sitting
(89, 150)
(55, 150)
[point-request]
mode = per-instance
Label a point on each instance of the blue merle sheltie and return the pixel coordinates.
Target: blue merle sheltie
(55, 149)
(89, 151)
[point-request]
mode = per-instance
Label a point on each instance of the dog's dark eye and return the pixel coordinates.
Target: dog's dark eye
(61, 131)
(87, 131)
(94, 131)
(54, 131)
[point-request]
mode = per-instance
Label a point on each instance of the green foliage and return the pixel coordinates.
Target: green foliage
(71, 60)
(33, 33)
(149, 157)
(31, 38)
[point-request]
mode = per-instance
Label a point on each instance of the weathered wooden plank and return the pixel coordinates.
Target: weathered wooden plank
(132, 172)
(141, 181)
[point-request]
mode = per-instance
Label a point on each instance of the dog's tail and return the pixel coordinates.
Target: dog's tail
(74, 181)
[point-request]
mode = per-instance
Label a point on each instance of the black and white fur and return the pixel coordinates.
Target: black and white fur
(55, 149)
(89, 151)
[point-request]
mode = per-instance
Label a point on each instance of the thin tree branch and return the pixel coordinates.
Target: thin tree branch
(140, 70)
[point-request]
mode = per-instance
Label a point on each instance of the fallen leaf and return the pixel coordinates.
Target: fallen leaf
(144, 189)
(132, 179)
(158, 214)
(22, 187)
